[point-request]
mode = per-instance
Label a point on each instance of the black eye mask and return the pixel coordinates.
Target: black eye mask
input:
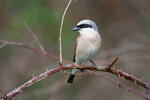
(84, 26)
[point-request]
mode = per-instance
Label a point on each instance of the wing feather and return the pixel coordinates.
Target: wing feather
(74, 55)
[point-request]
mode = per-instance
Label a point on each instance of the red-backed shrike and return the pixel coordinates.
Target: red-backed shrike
(87, 44)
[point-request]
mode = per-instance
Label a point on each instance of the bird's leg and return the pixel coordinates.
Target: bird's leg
(93, 63)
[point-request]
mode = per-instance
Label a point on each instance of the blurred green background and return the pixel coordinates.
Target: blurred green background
(125, 32)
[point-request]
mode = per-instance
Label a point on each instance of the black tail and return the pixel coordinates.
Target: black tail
(71, 78)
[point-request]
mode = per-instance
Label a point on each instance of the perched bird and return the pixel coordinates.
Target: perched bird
(87, 44)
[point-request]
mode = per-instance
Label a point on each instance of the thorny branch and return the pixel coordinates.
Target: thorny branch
(121, 85)
(46, 74)
(60, 33)
(104, 69)
(45, 53)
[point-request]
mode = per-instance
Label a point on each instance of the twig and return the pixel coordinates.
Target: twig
(121, 85)
(110, 66)
(127, 77)
(32, 33)
(31, 48)
(29, 29)
(44, 75)
(60, 33)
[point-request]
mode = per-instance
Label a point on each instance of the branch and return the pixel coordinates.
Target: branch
(126, 76)
(121, 85)
(45, 53)
(32, 34)
(60, 33)
(100, 68)
(29, 29)
(44, 75)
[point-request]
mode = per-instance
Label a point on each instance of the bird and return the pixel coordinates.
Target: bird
(87, 45)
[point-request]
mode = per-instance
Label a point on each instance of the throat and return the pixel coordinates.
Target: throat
(89, 35)
(88, 32)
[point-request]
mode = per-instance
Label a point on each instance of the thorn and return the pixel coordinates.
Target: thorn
(111, 65)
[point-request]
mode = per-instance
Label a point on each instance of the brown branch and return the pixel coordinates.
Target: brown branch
(32, 34)
(45, 53)
(29, 29)
(127, 76)
(44, 75)
(100, 68)
(60, 33)
(121, 85)
(124, 75)
(110, 66)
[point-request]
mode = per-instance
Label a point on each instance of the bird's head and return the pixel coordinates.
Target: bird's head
(85, 26)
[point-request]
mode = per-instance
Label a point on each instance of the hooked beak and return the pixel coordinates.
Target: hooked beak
(75, 29)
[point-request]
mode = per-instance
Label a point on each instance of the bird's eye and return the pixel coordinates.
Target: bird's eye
(84, 26)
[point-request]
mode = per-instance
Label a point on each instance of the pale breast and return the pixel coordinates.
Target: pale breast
(87, 48)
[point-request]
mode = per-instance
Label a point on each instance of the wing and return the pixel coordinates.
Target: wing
(74, 55)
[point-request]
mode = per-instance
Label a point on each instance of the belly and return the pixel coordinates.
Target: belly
(89, 51)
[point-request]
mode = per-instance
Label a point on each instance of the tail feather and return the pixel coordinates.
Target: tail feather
(71, 78)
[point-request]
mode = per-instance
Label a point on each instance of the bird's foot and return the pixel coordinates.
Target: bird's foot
(93, 63)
